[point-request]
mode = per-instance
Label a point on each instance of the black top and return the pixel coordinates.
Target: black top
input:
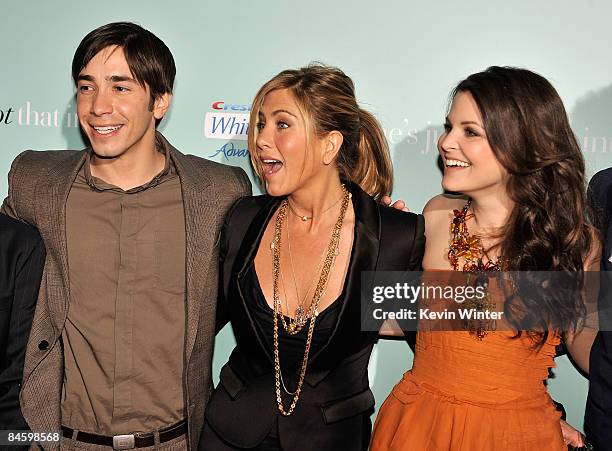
(291, 347)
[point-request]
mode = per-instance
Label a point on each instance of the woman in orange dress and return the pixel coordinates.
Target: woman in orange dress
(509, 150)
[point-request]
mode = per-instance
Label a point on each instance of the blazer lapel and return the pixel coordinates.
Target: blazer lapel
(246, 256)
(200, 243)
(364, 257)
(52, 195)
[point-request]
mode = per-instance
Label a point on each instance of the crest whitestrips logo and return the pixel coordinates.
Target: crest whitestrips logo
(227, 122)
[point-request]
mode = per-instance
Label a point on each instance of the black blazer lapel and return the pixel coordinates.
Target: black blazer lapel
(244, 258)
(364, 257)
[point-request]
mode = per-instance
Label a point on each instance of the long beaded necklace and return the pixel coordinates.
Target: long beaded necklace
(313, 311)
(463, 245)
(300, 316)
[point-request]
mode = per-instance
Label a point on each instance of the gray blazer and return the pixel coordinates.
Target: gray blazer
(39, 183)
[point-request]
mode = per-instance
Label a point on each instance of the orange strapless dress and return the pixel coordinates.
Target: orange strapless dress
(466, 394)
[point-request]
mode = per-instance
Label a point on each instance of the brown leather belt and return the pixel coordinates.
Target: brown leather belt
(129, 441)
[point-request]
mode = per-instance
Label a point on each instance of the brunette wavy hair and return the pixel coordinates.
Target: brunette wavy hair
(326, 98)
(549, 228)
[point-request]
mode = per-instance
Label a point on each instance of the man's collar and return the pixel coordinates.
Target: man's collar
(98, 184)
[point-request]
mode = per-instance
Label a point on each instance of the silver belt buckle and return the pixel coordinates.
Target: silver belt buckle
(124, 441)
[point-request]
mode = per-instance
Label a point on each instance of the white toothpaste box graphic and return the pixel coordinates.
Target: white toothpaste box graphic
(226, 125)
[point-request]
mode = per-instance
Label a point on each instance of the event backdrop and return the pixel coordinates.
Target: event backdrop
(404, 57)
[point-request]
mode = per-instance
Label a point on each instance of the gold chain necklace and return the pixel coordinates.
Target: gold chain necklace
(300, 317)
(290, 326)
(297, 322)
(318, 293)
(306, 218)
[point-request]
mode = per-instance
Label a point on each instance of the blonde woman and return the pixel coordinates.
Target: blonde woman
(291, 263)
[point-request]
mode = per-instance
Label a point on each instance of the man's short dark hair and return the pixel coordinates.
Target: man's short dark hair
(147, 56)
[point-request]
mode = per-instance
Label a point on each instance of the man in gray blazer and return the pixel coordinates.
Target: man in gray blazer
(119, 354)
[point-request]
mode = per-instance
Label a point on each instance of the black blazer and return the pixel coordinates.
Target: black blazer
(336, 402)
(598, 414)
(22, 257)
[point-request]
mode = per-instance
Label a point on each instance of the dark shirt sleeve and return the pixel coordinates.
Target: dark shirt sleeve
(597, 196)
(415, 263)
(18, 307)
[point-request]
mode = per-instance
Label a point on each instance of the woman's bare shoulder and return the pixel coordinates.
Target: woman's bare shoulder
(442, 204)
(438, 213)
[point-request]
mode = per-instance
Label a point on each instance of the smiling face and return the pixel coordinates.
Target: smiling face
(470, 166)
(114, 109)
(287, 163)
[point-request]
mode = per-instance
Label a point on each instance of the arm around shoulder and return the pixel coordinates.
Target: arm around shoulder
(407, 251)
(415, 262)
(244, 184)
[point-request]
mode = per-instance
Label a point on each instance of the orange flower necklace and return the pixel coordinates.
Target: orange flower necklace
(463, 245)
